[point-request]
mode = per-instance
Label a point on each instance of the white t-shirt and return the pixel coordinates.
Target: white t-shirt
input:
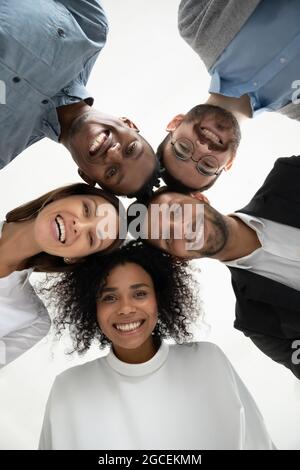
(185, 397)
(24, 320)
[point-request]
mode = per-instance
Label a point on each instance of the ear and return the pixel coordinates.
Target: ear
(229, 163)
(86, 178)
(200, 197)
(129, 123)
(175, 122)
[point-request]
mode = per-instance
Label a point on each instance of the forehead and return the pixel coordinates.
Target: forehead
(155, 215)
(169, 196)
(127, 274)
(97, 199)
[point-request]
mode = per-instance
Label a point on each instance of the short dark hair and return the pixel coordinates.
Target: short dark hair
(74, 295)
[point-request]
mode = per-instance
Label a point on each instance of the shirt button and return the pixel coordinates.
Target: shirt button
(45, 102)
(282, 60)
(16, 79)
(61, 33)
(255, 83)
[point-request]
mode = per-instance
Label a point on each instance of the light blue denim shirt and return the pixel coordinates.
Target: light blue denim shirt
(47, 51)
(263, 59)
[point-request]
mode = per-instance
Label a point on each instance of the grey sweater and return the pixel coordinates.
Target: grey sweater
(208, 26)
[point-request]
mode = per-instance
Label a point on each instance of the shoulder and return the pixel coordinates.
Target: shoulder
(293, 161)
(284, 173)
(81, 374)
(203, 350)
(208, 26)
(190, 16)
(202, 359)
(90, 16)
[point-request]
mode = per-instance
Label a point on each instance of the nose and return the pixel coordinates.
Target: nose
(180, 226)
(80, 225)
(176, 229)
(126, 307)
(114, 153)
(75, 226)
(201, 148)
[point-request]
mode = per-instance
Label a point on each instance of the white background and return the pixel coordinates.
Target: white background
(148, 73)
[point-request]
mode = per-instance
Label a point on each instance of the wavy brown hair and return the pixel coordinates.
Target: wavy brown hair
(44, 262)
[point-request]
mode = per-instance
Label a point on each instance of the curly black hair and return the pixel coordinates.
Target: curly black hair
(74, 295)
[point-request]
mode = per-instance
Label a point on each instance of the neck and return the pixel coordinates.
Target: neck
(143, 353)
(17, 244)
(239, 107)
(66, 116)
(242, 240)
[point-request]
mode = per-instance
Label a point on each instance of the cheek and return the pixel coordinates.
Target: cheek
(103, 315)
(179, 248)
(151, 309)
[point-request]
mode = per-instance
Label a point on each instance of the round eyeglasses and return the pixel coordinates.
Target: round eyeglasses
(184, 150)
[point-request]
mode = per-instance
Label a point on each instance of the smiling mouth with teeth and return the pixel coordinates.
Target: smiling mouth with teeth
(211, 136)
(60, 229)
(98, 142)
(128, 327)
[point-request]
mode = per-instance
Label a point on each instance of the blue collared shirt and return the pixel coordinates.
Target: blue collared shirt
(47, 51)
(263, 59)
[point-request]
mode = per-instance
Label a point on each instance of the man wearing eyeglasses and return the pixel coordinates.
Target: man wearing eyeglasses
(199, 146)
(251, 49)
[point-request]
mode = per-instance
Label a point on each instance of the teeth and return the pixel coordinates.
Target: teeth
(211, 135)
(128, 326)
(96, 144)
(57, 229)
(61, 228)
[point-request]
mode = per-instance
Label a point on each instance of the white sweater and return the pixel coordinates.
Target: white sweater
(185, 397)
(24, 320)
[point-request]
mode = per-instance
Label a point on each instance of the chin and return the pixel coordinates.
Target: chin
(134, 344)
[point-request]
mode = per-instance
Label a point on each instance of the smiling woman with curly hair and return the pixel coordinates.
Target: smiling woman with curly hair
(75, 297)
(145, 393)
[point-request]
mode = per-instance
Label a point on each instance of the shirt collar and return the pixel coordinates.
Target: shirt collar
(137, 370)
(245, 262)
(71, 94)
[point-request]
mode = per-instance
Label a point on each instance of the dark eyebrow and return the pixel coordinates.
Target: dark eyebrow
(137, 286)
(109, 289)
(140, 152)
(90, 200)
(134, 286)
(96, 205)
(141, 149)
(122, 176)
